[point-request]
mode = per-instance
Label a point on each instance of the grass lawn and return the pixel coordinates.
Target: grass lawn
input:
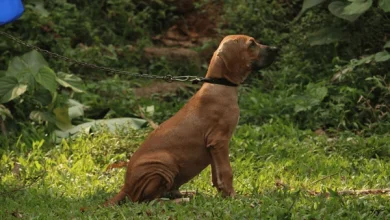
(277, 168)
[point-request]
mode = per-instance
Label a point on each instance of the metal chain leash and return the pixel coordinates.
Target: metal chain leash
(168, 78)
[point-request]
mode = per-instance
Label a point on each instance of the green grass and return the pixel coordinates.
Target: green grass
(275, 165)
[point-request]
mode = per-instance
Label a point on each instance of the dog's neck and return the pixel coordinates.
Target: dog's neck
(215, 92)
(218, 70)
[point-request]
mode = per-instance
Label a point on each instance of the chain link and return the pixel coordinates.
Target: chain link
(168, 78)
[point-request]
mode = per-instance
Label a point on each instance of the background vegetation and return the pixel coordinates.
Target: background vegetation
(315, 123)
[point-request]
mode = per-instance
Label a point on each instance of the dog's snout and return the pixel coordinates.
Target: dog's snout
(273, 49)
(266, 57)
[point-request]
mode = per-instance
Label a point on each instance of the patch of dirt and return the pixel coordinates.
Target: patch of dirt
(160, 88)
(183, 6)
(175, 54)
(195, 25)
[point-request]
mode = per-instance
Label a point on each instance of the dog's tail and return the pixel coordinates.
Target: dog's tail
(116, 165)
(117, 200)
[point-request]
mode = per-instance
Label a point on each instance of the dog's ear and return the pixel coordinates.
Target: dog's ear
(228, 52)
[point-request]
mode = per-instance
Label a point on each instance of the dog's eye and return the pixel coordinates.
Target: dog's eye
(252, 44)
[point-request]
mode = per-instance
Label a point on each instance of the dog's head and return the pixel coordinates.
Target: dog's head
(241, 54)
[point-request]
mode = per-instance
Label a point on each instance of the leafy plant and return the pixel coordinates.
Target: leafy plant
(319, 50)
(31, 89)
(350, 10)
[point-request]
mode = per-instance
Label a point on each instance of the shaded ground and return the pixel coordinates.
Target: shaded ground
(159, 87)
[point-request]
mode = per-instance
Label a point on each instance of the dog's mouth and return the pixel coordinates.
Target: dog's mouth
(267, 57)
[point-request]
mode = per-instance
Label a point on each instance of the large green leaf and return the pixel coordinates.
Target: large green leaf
(70, 81)
(43, 96)
(5, 112)
(47, 78)
(387, 45)
(357, 7)
(10, 88)
(19, 69)
(316, 91)
(364, 60)
(337, 9)
(24, 67)
(307, 4)
(313, 96)
(112, 125)
(326, 36)
(43, 116)
(62, 118)
(385, 5)
(76, 109)
(382, 56)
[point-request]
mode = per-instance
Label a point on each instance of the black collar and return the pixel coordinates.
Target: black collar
(219, 81)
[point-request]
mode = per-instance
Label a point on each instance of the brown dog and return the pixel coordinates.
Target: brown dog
(199, 134)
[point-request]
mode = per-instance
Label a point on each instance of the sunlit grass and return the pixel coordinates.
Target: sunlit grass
(275, 167)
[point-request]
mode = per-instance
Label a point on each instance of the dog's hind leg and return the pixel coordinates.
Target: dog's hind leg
(150, 186)
(153, 188)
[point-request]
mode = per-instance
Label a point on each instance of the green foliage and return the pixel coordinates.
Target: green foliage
(30, 89)
(357, 7)
(350, 11)
(385, 5)
(307, 4)
(260, 19)
(10, 88)
(47, 94)
(326, 35)
(107, 33)
(323, 76)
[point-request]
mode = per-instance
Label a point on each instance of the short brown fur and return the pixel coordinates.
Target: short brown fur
(198, 134)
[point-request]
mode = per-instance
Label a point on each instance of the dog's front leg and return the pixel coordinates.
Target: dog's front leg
(222, 175)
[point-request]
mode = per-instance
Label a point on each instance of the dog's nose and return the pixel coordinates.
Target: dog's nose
(273, 49)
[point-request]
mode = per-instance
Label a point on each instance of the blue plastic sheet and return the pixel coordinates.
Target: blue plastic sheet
(10, 10)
